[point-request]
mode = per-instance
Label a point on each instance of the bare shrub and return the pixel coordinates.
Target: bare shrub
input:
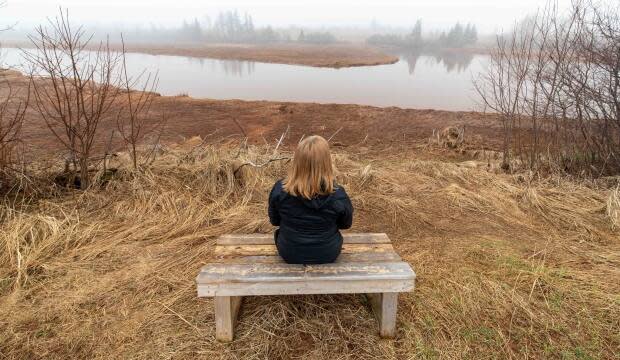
(491, 248)
(12, 113)
(612, 208)
(554, 81)
(78, 90)
(133, 121)
(451, 137)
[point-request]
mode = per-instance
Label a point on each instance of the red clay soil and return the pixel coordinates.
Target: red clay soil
(264, 121)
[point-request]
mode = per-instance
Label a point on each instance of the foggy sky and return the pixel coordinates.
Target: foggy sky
(489, 15)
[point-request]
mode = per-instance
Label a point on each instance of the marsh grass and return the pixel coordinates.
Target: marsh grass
(506, 267)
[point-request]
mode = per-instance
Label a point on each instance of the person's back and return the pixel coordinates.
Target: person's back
(309, 207)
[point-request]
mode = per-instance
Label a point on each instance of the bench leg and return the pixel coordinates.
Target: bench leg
(226, 310)
(384, 306)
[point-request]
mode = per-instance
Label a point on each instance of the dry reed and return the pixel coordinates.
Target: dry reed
(506, 267)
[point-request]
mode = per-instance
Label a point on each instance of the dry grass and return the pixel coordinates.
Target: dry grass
(326, 55)
(507, 266)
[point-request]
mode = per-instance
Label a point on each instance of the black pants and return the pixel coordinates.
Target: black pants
(313, 254)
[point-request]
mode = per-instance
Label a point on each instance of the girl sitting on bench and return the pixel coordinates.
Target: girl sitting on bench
(309, 207)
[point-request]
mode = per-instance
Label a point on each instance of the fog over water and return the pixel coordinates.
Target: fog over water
(425, 76)
(488, 15)
(416, 81)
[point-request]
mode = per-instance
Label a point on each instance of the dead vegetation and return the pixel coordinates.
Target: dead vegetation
(554, 81)
(508, 266)
(451, 137)
(78, 91)
(13, 106)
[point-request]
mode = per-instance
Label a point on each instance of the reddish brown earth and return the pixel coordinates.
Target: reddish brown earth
(266, 121)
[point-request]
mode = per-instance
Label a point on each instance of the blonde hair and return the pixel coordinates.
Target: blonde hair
(311, 172)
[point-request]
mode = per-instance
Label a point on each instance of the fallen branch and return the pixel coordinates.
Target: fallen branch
(180, 317)
(242, 145)
(240, 127)
(204, 141)
(275, 150)
(250, 163)
(270, 160)
(334, 134)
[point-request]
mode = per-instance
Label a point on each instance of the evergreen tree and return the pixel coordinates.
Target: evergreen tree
(415, 39)
(471, 34)
(456, 35)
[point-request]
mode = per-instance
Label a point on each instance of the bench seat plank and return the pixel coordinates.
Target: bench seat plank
(267, 239)
(249, 265)
(275, 272)
(343, 258)
(251, 250)
(286, 279)
(305, 288)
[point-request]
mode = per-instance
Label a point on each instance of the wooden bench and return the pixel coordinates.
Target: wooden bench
(249, 265)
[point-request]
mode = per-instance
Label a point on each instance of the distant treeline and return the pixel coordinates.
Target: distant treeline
(232, 27)
(324, 37)
(457, 36)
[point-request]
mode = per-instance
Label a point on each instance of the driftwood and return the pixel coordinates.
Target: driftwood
(271, 159)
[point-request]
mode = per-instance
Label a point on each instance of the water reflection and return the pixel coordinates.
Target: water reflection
(454, 61)
(412, 59)
(439, 81)
(458, 62)
(238, 68)
(450, 61)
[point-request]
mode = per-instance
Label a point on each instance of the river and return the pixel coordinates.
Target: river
(415, 81)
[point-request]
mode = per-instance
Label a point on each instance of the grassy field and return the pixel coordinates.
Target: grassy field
(509, 266)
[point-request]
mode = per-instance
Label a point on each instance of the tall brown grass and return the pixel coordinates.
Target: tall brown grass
(507, 266)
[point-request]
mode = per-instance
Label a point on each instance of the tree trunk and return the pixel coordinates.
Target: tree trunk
(135, 156)
(84, 181)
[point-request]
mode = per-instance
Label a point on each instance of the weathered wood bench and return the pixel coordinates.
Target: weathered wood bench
(249, 265)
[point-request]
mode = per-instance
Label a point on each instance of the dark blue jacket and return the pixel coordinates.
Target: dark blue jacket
(308, 232)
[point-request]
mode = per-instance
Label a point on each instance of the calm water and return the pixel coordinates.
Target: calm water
(430, 82)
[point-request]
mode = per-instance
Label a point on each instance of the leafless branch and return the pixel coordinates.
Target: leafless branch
(133, 120)
(334, 134)
(79, 87)
(555, 83)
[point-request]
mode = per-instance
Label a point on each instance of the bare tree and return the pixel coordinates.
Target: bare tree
(594, 82)
(12, 113)
(503, 86)
(5, 27)
(134, 122)
(78, 89)
(554, 81)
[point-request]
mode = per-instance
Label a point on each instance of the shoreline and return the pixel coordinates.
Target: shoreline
(264, 119)
(330, 56)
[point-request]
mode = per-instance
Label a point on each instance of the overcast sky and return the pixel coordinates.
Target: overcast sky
(489, 15)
